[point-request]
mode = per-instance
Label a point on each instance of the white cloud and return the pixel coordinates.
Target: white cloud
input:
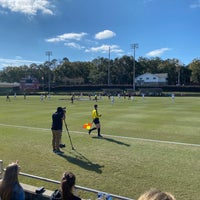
(105, 49)
(74, 45)
(29, 7)
(195, 5)
(157, 52)
(67, 36)
(104, 35)
(5, 62)
(18, 57)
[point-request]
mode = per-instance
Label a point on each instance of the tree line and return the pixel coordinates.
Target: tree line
(101, 71)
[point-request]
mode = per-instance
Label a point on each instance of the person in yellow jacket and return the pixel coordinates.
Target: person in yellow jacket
(96, 121)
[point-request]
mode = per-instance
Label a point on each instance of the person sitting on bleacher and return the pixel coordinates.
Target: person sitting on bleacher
(67, 187)
(10, 188)
(155, 194)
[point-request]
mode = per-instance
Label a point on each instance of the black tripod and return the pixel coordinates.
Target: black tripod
(69, 135)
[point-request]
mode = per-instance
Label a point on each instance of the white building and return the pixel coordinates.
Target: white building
(149, 79)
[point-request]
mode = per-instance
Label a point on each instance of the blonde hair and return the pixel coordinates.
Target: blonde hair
(154, 194)
(10, 178)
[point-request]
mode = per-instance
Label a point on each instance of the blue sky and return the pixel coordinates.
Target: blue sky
(83, 30)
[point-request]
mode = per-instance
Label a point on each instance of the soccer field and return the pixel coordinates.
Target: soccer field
(148, 143)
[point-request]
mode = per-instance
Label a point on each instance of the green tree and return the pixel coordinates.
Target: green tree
(149, 65)
(99, 71)
(13, 74)
(122, 72)
(194, 66)
(185, 75)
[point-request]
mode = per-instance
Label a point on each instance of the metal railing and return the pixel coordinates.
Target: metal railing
(58, 182)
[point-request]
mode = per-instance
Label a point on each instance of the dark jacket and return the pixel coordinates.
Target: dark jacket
(57, 121)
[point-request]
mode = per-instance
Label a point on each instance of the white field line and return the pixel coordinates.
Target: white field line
(111, 136)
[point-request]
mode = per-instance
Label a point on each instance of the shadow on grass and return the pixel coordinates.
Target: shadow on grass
(82, 161)
(112, 140)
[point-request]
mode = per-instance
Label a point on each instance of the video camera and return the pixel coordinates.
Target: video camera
(63, 110)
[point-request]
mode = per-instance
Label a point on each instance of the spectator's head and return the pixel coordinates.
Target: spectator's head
(10, 178)
(67, 184)
(155, 194)
(11, 172)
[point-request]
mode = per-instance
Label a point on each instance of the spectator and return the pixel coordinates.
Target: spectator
(155, 194)
(10, 188)
(67, 185)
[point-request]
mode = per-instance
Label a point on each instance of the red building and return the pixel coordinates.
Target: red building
(29, 84)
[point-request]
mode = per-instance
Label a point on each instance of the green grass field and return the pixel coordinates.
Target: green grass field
(150, 143)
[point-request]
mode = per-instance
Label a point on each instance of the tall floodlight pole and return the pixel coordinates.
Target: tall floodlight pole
(109, 67)
(134, 46)
(49, 54)
(178, 68)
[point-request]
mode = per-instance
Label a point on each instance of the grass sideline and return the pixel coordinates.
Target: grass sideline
(119, 163)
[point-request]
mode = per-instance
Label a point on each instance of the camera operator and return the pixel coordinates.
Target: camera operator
(57, 122)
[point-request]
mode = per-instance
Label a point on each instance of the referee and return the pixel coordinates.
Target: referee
(95, 118)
